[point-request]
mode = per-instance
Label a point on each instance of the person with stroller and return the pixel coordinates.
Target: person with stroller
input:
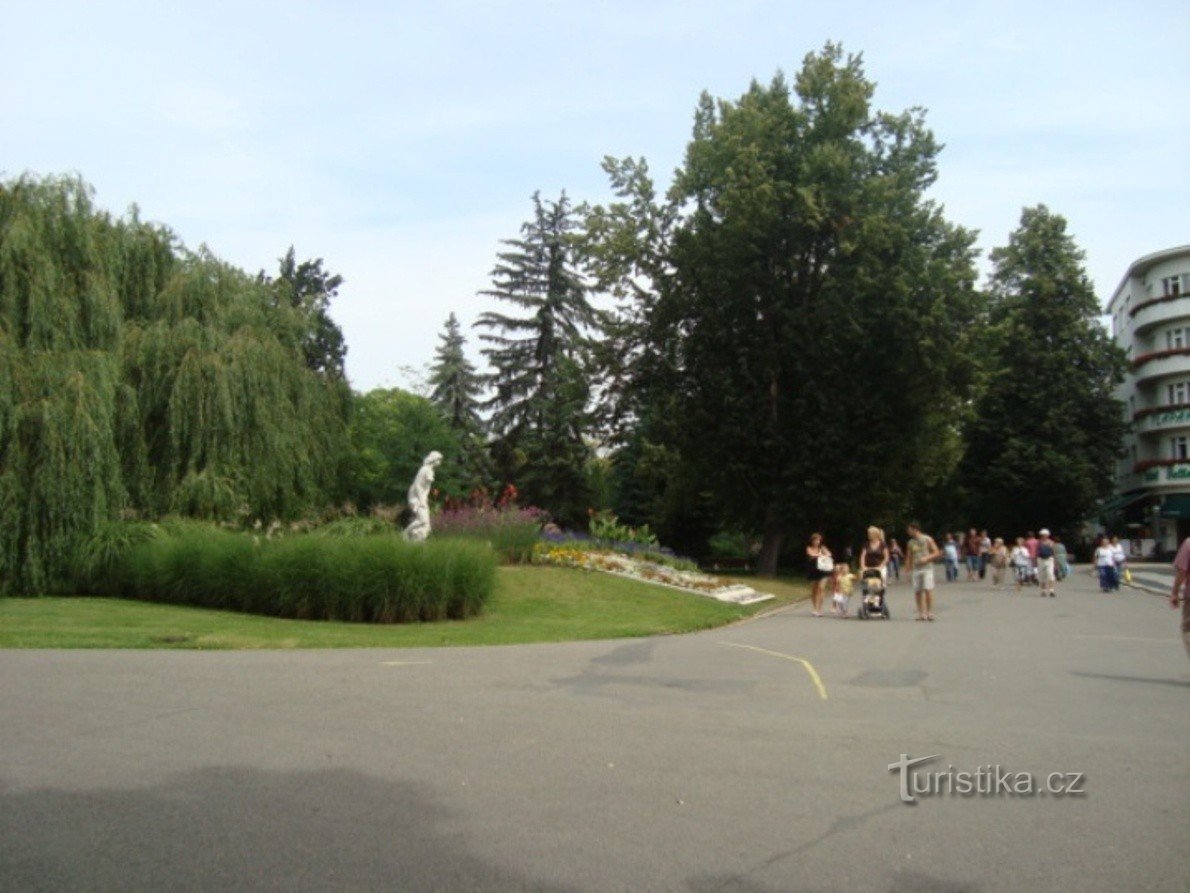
(875, 554)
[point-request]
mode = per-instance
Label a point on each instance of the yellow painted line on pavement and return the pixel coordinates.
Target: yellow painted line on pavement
(814, 677)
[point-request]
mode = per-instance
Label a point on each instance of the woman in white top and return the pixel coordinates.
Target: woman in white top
(1022, 563)
(1105, 564)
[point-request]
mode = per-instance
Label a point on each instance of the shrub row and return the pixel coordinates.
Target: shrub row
(375, 578)
(511, 531)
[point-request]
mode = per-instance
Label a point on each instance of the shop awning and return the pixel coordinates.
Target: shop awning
(1117, 504)
(1176, 505)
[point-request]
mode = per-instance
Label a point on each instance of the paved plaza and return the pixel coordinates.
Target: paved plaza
(751, 758)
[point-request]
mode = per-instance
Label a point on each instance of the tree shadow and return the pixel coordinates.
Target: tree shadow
(239, 829)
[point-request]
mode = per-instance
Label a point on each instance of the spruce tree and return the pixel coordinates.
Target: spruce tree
(456, 387)
(539, 378)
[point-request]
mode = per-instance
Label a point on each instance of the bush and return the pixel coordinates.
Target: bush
(366, 578)
(511, 531)
(98, 561)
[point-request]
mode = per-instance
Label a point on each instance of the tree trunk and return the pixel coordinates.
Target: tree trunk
(770, 549)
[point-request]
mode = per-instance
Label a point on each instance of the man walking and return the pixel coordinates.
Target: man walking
(921, 553)
(1045, 563)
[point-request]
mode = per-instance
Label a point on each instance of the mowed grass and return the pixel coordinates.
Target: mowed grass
(530, 604)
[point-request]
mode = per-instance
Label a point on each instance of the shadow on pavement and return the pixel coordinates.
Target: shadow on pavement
(1176, 683)
(238, 829)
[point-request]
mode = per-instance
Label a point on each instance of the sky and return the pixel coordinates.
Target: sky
(401, 142)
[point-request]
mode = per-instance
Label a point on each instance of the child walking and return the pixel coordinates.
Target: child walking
(842, 582)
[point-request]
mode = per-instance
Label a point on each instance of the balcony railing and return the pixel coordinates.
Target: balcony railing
(1143, 358)
(1151, 301)
(1154, 471)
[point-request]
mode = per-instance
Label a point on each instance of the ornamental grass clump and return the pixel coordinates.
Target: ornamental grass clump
(511, 531)
(370, 578)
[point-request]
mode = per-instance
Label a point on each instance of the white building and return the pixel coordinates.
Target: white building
(1150, 314)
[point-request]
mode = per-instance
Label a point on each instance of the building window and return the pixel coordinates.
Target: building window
(1174, 285)
(1179, 447)
(1179, 393)
(1176, 338)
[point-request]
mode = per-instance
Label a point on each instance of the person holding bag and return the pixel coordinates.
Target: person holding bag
(819, 565)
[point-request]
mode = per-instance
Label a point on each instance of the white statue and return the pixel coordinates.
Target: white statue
(419, 499)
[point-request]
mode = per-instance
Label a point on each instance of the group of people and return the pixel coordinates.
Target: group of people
(1111, 562)
(1036, 559)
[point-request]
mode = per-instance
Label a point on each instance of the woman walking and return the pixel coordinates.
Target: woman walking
(950, 554)
(1105, 564)
(819, 566)
(998, 559)
(896, 556)
(874, 555)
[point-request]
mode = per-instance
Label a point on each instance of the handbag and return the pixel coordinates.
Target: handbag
(826, 564)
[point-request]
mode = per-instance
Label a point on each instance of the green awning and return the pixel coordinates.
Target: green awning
(1176, 505)
(1117, 504)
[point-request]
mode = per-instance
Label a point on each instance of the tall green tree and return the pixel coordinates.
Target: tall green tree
(392, 431)
(135, 375)
(802, 309)
(1047, 430)
(456, 389)
(540, 389)
(309, 289)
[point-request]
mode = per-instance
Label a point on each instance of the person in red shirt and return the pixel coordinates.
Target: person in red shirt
(1181, 566)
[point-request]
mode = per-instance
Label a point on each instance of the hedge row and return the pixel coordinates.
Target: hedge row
(373, 578)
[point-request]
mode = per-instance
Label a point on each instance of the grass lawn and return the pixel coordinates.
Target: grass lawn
(530, 604)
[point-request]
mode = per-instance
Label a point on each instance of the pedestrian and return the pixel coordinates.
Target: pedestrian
(1021, 563)
(896, 555)
(1045, 564)
(950, 553)
(819, 566)
(1105, 564)
(1120, 560)
(921, 553)
(1031, 544)
(998, 559)
(1061, 559)
(842, 582)
(973, 546)
(1181, 566)
(985, 552)
(874, 555)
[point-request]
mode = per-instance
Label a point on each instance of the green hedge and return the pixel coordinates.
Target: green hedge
(372, 578)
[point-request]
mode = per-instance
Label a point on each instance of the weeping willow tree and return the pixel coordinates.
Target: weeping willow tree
(135, 375)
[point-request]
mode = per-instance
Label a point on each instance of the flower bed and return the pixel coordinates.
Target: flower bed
(636, 568)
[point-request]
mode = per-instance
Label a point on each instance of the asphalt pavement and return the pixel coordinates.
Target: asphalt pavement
(751, 758)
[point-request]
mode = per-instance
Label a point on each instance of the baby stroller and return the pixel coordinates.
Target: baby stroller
(872, 602)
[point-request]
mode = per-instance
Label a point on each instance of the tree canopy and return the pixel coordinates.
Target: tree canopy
(808, 306)
(142, 377)
(1047, 430)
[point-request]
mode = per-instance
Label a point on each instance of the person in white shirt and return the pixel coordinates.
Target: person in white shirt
(1105, 564)
(1022, 563)
(1119, 557)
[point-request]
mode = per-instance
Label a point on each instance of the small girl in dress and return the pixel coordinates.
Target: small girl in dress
(842, 582)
